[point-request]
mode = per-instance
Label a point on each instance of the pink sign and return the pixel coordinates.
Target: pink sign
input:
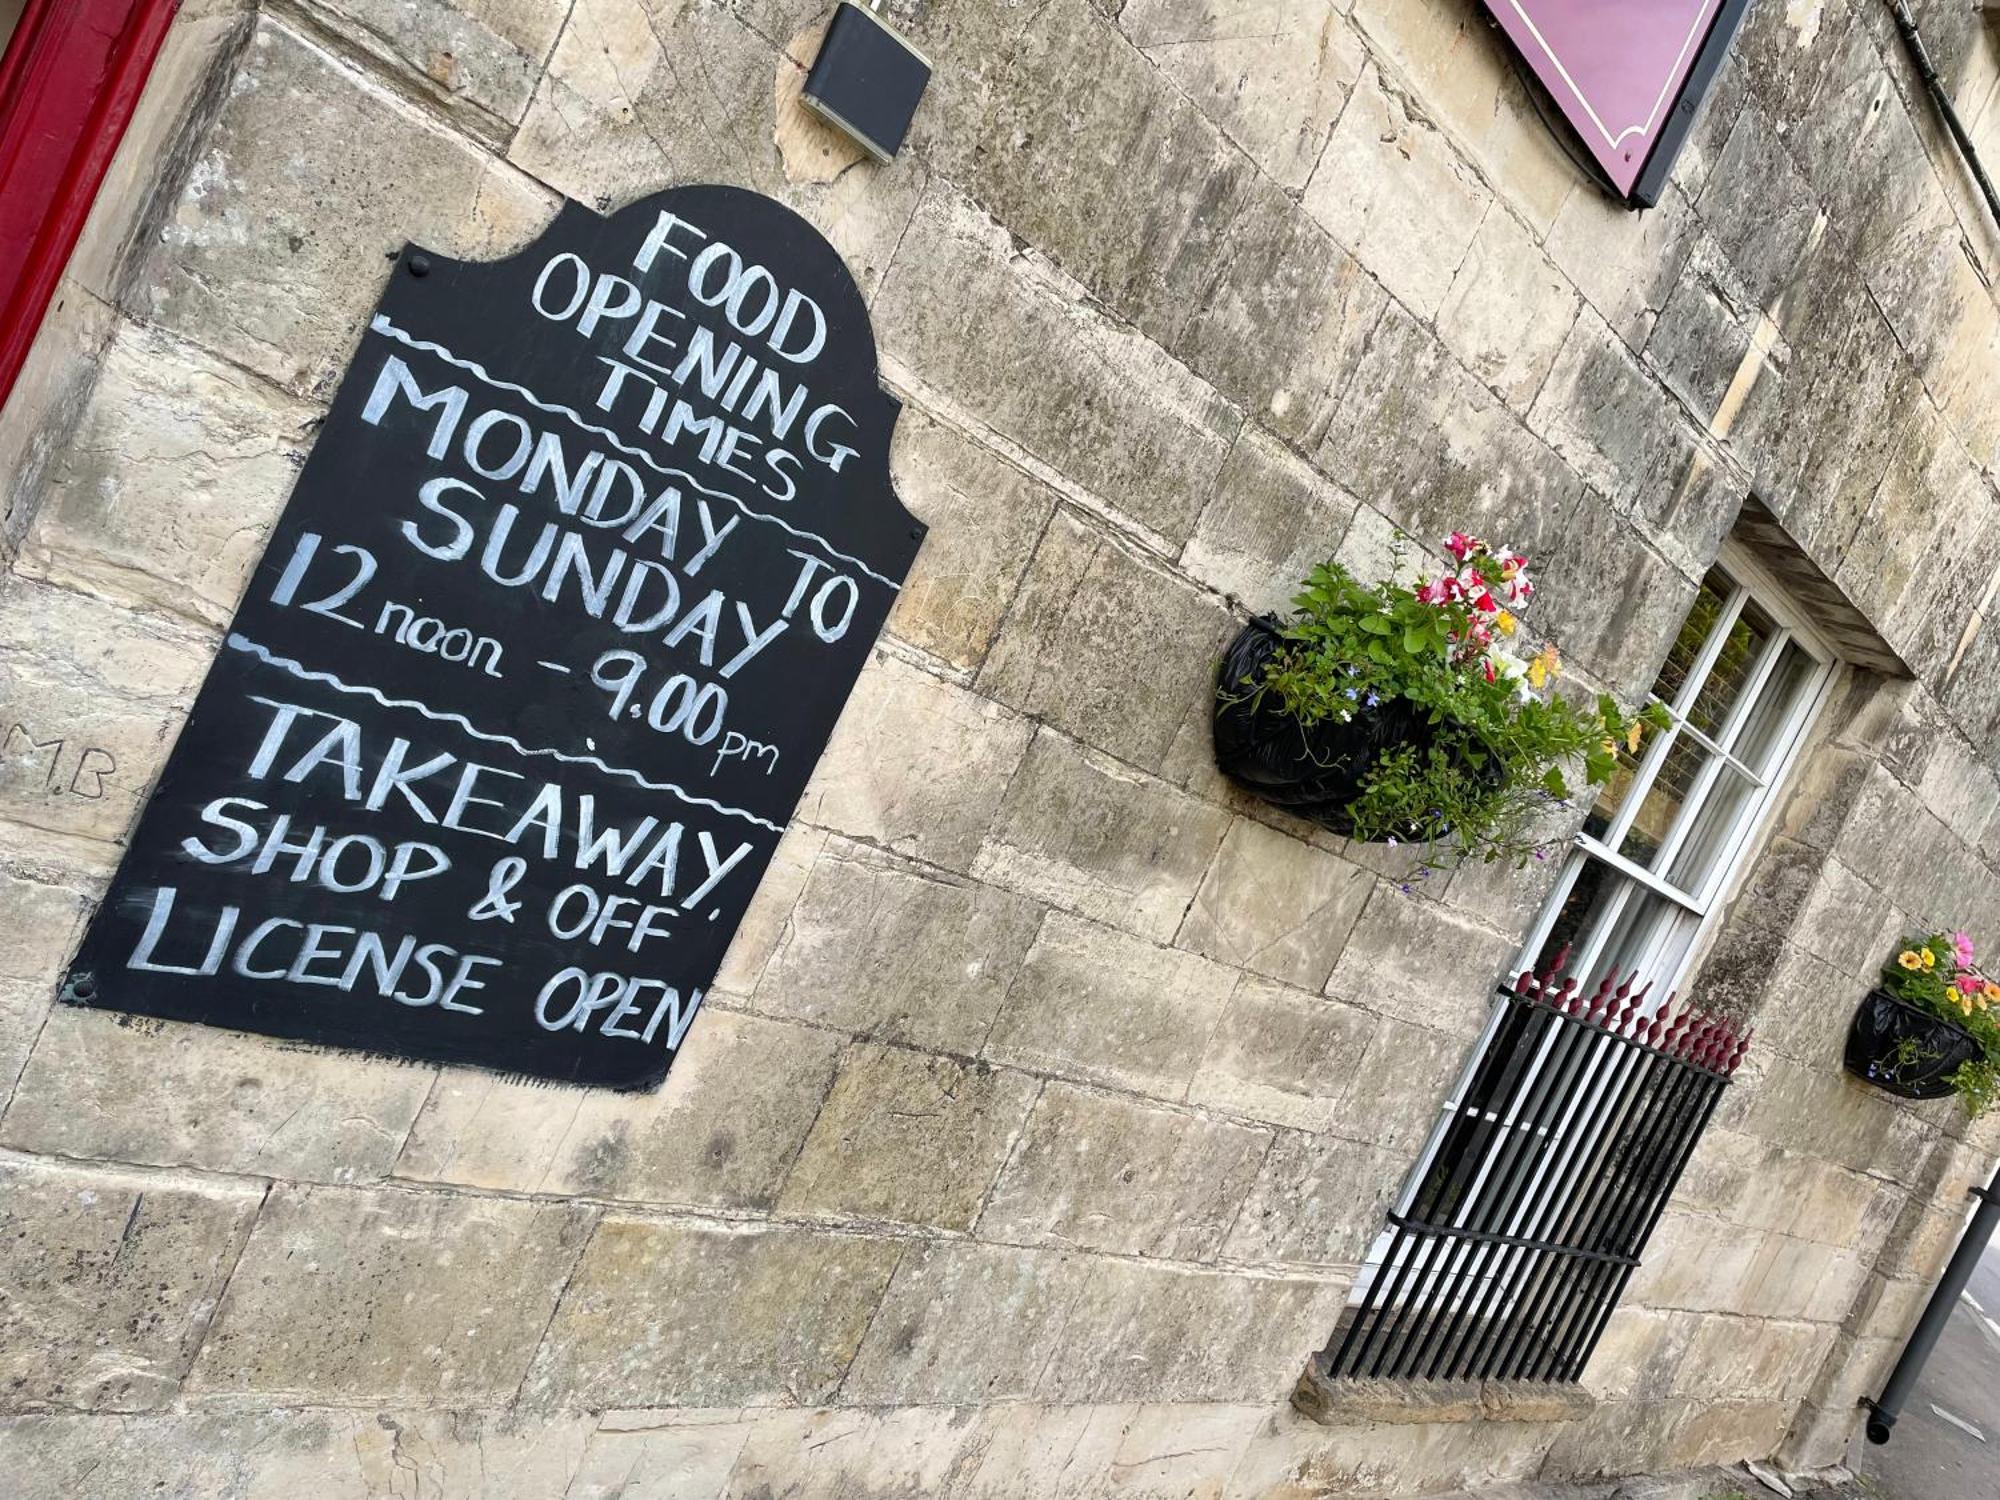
(1616, 67)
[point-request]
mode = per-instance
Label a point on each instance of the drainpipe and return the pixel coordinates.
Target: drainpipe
(1884, 1409)
(1921, 57)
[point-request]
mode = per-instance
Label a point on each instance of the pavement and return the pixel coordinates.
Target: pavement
(1946, 1445)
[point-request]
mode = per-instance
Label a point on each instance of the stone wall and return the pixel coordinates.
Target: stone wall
(1052, 1090)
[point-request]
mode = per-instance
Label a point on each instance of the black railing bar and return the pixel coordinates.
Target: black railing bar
(1467, 1163)
(1528, 1275)
(1336, 1361)
(1394, 1269)
(1681, 1117)
(1654, 1195)
(1550, 1210)
(1579, 1355)
(1653, 1127)
(1575, 1048)
(1581, 1190)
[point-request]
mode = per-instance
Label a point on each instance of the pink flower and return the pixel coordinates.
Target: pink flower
(1461, 546)
(1435, 593)
(1961, 944)
(1968, 984)
(1485, 603)
(1488, 665)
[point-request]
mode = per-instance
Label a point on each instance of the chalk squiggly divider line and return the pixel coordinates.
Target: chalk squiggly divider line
(244, 644)
(387, 329)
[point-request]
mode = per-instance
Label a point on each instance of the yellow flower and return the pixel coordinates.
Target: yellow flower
(1505, 623)
(1909, 960)
(1929, 958)
(1632, 736)
(1992, 990)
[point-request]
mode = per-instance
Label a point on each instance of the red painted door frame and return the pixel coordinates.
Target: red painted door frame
(69, 82)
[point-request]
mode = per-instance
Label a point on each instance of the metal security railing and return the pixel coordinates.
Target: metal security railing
(1508, 1257)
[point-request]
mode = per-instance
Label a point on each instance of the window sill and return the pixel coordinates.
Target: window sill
(1352, 1403)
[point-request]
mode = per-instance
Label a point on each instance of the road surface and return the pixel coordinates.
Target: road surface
(1947, 1442)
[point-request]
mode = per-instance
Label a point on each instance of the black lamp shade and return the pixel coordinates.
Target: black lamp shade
(867, 80)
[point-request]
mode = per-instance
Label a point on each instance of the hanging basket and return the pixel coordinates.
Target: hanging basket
(1313, 771)
(1937, 1048)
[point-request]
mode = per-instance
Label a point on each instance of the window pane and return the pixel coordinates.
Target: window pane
(1723, 811)
(1695, 629)
(1733, 669)
(1611, 796)
(1757, 737)
(1583, 899)
(1664, 800)
(1640, 940)
(1612, 925)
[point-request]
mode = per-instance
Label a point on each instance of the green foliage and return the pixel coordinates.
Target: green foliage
(1927, 973)
(1503, 746)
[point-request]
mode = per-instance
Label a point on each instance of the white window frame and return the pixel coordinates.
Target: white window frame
(1692, 935)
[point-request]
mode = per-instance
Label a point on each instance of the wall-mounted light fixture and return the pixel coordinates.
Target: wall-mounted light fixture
(867, 80)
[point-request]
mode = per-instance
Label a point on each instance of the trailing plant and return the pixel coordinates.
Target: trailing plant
(1504, 742)
(1937, 975)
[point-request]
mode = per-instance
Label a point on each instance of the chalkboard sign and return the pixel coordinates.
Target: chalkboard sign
(541, 655)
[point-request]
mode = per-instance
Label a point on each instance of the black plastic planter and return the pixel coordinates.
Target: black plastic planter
(1312, 771)
(1938, 1048)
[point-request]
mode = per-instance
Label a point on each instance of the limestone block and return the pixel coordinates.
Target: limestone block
(1414, 960)
(1274, 518)
(1625, 264)
(378, 1295)
(217, 1453)
(1729, 1432)
(1279, 317)
(1760, 209)
(1272, 73)
(43, 918)
(1402, 1082)
(1089, 152)
(1120, 659)
(124, 1089)
(1433, 450)
(1602, 414)
(1394, 192)
(1293, 1458)
(1620, 1437)
(1094, 400)
(934, 1341)
(1714, 350)
(110, 1281)
(642, 94)
(1694, 1263)
(166, 492)
(1930, 489)
(1080, 831)
(1458, 67)
(1275, 906)
(91, 696)
(1102, 1172)
(480, 57)
(1283, 1056)
(770, 909)
(53, 384)
(721, 1131)
(664, 1313)
(1318, 1201)
(276, 251)
(908, 1136)
(669, 1455)
(1508, 310)
(1019, 1451)
(1611, 601)
(1752, 1359)
(985, 517)
(1639, 1355)
(897, 952)
(1094, 1004)
(911, 1452)
(1181, 1449)
(1082, 1328)
(916, 764)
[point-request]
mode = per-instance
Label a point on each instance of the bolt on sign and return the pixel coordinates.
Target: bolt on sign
(572, 588)
(1629, 78)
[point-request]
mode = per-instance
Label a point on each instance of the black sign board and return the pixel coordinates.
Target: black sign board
(569, 595)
